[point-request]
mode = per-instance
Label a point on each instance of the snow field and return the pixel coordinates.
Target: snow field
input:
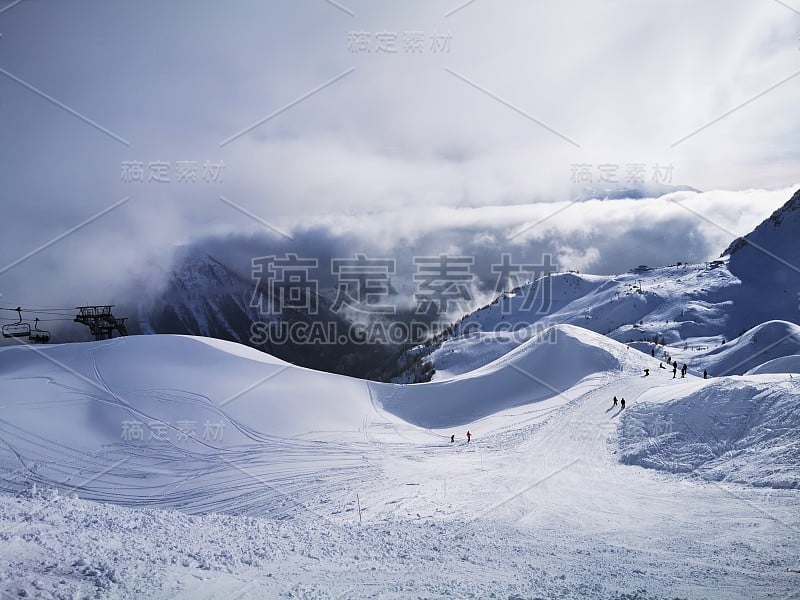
(549, 499)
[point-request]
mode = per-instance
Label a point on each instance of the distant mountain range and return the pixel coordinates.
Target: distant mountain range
(205, 297)
(620, 191)
(756, 280)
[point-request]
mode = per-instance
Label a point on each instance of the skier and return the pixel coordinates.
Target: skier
(684, 368)
(661, 366)
(646, 372)
(452, 438)
(615, 401)
(653, 352)
(705, 374)
(674, 371)
(622, 404)
(469, 436)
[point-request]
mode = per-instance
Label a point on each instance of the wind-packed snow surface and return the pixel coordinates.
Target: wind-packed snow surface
(180, 467)
(733, 429)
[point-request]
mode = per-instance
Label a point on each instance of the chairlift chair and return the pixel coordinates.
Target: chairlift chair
(18, 329)
(38, 336)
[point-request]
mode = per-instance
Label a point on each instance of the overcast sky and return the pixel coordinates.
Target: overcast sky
(381, 123)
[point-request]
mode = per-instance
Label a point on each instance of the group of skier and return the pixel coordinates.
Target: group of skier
(674, 365)
(453, 437)
(671, 364)
(684, 368)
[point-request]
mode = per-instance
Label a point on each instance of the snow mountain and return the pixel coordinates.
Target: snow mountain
(684, 306)
(205, 297)
(767, 261)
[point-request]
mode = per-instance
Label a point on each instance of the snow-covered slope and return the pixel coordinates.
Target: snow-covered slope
(760, 344)
(335, 487)
(189, 401)
(541, 368)
(673, 304)
(767, 261)
(784, 364)
(169, 413)
(731, 429)
(773, 242)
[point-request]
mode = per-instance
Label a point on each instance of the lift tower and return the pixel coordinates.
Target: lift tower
(100, 321)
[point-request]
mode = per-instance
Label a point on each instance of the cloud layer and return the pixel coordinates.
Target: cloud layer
(436, 149)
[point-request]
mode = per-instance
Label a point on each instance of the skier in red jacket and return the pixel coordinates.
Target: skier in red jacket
(469, 436)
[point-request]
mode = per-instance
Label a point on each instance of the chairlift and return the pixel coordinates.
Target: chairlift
(38, 336)
(18, 329)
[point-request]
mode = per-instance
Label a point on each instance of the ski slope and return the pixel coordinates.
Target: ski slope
(685, 303)
(763, 343)
(538, 369)
(684, 306)
(163, 417)
(308, 484)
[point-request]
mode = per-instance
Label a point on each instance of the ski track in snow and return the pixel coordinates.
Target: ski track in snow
(537, 505)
